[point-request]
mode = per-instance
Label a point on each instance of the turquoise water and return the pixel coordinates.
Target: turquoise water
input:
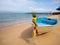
(16, 18)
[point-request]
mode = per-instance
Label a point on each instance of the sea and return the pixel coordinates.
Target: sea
(7, 19)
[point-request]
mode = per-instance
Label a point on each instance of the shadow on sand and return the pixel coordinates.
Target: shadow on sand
(28, 34)
(42, 33)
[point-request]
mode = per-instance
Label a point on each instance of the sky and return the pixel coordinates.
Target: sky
(29, 5)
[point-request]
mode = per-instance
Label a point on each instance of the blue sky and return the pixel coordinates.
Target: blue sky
(29, 5)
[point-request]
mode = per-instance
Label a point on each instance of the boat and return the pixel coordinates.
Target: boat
(47, 21)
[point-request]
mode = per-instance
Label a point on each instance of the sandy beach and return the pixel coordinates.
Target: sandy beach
(21, 34)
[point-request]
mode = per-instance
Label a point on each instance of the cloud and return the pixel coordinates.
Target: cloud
(24, 6)
(20, 5)
(16, 5)
(34, 9)
(6, 5)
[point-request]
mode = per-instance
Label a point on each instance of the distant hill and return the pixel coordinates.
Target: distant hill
(25, 12)
(55, 13)
(8, 12)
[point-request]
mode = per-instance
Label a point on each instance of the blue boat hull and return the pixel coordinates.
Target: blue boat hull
(47, 21)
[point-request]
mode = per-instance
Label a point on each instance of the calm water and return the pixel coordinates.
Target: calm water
(17, 18)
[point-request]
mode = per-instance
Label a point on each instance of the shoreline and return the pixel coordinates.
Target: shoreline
(17, 22)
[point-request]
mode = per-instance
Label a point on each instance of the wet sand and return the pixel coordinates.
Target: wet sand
(22, 35)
